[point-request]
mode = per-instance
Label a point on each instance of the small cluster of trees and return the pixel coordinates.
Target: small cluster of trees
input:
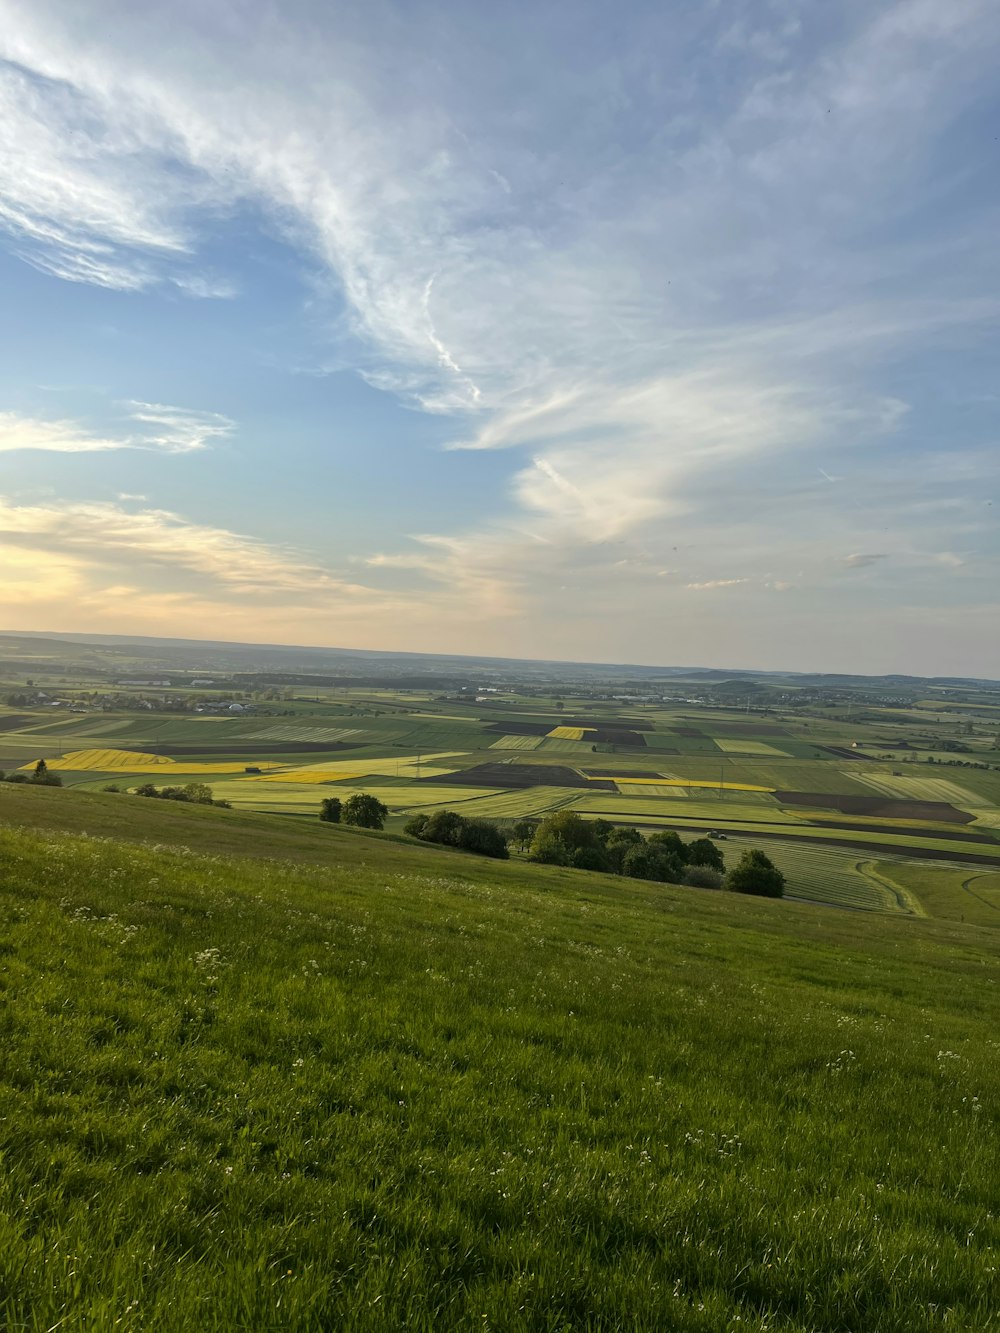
(454, 830)
(362, 810)
(41, 777)
(565, 839)
(197, 793)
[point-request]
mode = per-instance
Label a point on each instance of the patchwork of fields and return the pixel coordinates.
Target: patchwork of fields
(786, 780)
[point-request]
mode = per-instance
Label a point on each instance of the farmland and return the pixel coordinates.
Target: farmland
(863, 791)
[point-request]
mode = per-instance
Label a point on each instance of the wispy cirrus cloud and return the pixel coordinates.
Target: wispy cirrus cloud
(109, 534)
(666, 292)
(174, 430)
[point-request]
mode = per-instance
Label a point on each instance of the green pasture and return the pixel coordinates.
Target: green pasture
(341, 1081)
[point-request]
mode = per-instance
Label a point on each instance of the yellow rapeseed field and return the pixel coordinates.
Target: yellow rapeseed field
(569, 733)
(136, 761)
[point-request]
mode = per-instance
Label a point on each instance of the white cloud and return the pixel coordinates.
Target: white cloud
(105, 534)
(862, 559)
(662, 293)
(716, 583)
(174, 430)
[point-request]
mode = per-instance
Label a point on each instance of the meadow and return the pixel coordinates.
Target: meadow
(342, 1080)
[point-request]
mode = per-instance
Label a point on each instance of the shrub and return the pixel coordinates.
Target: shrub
(415, 826)
(756, 873)
(330, 810)
(702, 877)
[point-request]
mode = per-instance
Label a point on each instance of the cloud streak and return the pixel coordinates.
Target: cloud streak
(678, 300)
(173, 430)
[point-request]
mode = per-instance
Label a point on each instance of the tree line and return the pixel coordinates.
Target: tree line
(565, 839)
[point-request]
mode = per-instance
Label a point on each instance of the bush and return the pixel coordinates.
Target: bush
(702, 877)
(330, 810)
(757, 874)
(415, 826)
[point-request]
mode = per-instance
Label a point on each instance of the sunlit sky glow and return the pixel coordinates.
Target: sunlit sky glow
(658, 333)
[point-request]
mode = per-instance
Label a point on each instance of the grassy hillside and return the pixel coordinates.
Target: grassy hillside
(263, 1074)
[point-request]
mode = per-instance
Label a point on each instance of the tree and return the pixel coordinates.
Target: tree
(330, 809)
(444, 826)
(704, 852)
(646, 861)
(603, 829)
(523, 831)
(415, 826)
(41, 776)
(756, 873)
(364, 811)
(559, 836)
(483, 837)
(590, 858)
(199, 793)
(617, 846)
(670, 842)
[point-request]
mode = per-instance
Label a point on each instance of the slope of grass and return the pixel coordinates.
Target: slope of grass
(412, 1089)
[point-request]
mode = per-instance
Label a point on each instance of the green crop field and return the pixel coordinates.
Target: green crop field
(827, 875)
(750, 747)
(342, 1081)
(517, 743)
(953, 893)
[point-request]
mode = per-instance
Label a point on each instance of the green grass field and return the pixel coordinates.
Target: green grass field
(341, 1081)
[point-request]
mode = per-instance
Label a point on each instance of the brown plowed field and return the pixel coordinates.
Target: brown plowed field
(522, 728)
(877, 807)
(19, 720)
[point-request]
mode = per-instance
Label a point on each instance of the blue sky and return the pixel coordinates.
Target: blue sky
(660, 333)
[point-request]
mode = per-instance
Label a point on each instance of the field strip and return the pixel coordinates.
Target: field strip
(908, 901)
(569, 733)
(921, 789)
(293, 733)
(680, 782)
(729, 746)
